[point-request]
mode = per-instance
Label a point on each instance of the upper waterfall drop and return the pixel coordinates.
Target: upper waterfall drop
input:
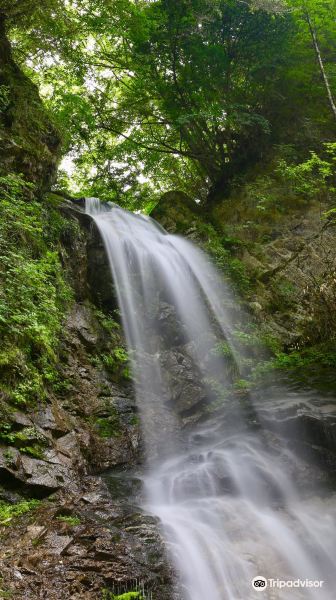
(152, 269)
(227, 498)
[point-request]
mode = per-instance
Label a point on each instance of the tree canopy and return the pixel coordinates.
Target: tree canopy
(158, 94)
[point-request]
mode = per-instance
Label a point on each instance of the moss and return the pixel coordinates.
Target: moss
(27, 440)
(35, 451)
(106, 595)
(29, 140)
(111, 354)
(4, 98)
(33, 300)
(284, 295)
(108, 426)
(242, 384)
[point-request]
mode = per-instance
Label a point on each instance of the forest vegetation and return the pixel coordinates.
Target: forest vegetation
(187, 95)
(216, 117)
(230, 102)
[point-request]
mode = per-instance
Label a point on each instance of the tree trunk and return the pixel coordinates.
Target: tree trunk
(320, 61)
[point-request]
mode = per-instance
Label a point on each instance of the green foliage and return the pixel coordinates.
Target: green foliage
(70, 520)
(291, 182)
(33, 451)
(151, 95)
(33, 294)
(283, 297)
(111, 355)
(106, 595)
(28, 439)
(224, 251)
(10, 511)
(242, 385)
(304, 360)
(115, 362)
(223, 349)
(4, 592)
(109, 426)
(315, 16)
(118, 356)
(107, 321)
(4, 97)
(307, 179)
(261, 203)
(155, 95)
(321, 355)
(30, 11)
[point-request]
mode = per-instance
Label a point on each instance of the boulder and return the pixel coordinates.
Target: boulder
(39, 476)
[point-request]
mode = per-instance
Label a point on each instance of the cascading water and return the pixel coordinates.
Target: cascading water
(228, 509)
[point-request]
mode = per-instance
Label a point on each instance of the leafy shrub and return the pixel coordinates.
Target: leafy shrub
(308, 178)
(115, 362)
(10, 511)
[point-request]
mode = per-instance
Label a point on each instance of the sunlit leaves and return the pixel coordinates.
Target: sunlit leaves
(162, 94)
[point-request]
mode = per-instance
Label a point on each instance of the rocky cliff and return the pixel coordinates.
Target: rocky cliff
(78, 453)
(281, 261)
(70, 445)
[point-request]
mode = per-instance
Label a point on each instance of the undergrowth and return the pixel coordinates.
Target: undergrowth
(9, 511)
(33, 296)
(127, 596)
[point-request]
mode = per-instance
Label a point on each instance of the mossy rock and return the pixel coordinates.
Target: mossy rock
(29, 142)
(176, 212)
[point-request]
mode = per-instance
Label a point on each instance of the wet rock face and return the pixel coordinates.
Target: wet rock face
(39, 477)
(86, 536)
(105, 543)
(298, 286)
(67, 429)
(80, 544)
(29, 142)
(307, 419)
(187, 396)
(290, 261)
(168, 326)
(88, 261)
(99, 274)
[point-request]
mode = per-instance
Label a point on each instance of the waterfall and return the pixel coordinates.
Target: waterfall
(228, 499)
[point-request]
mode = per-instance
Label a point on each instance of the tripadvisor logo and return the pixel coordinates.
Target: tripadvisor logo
(259, 583)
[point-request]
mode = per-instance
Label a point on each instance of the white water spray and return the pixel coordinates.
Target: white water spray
(228, 509)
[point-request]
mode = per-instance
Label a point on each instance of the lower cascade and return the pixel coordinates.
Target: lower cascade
(238, 518)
